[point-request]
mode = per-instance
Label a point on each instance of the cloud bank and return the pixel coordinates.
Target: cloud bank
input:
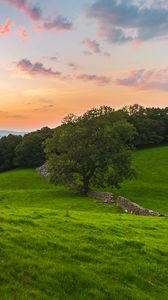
(122, 21)
(143, 79)
(25, 66)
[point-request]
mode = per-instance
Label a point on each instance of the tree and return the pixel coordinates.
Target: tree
(94, 149)
(8, 145)
(151, 124)
(30, 152)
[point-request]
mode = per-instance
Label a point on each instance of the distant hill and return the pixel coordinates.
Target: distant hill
(7, 132)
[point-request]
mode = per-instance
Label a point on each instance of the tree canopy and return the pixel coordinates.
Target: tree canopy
(8, 145)
(87, 132)
(30, 152)
(151, 124)
(93, 149)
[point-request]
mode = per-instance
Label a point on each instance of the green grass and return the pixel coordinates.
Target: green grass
(150, 188)
(55, 244)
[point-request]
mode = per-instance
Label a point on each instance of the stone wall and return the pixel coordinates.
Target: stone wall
(133, 208)
(125, 204)
(105, 197)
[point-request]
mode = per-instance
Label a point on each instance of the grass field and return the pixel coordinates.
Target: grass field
(55, 244)
(150, 188)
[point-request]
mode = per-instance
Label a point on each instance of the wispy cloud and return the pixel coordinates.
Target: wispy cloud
(6, 28)
(94, 46)
(54, 58)
(9, 29)
(11, 115)
(88, 53)
(100, 80)
(22, 33)
(36, 68)
(26, 67)
(156, 79)
(73, 66)
(129, 21)
(35, 13)
(60, 23)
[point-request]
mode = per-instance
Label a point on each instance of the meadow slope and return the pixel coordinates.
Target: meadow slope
(55, 244)
(150, 187)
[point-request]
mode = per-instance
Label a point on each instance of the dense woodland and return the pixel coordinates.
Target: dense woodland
(93, 148)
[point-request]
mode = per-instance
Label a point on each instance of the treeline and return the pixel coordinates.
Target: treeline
(151, 127)
(151, 124)
(23, 152)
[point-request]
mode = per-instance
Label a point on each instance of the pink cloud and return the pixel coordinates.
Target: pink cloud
(25, 66)
(22, 33)
(92, 45)
(32, 11)
(6, 28)
(95, 47)
(36, 68)
(100, 80)
(59, 24)
(146, 79)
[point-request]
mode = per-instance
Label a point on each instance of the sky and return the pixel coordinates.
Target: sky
(68, 56)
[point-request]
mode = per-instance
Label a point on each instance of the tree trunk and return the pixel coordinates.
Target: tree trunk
(85, 187)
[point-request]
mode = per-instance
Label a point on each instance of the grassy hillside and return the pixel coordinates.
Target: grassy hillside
(55, 244)
(150, 188)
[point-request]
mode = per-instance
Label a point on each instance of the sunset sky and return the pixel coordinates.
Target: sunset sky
(62, 56)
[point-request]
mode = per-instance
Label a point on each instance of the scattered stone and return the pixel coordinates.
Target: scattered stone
(42, 171)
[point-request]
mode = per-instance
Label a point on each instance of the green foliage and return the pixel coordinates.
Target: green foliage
(95, 126)
(30, 152)
(8, 145)
(96, 253)
(149, 188)
(94, 148)
(151, 124)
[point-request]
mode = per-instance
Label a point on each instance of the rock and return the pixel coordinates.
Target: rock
(105, 197)
(43, 171)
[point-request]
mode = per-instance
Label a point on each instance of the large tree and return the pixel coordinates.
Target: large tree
(94, 149)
